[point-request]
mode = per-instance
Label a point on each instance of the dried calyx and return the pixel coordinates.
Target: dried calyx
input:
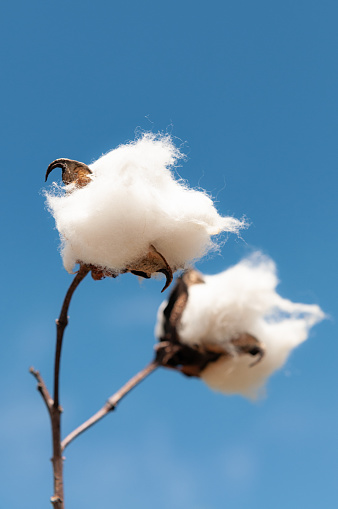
(171, 352)
(151, 263)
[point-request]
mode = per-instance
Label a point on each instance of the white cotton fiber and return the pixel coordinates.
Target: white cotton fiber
(132, 202)
(243, 299)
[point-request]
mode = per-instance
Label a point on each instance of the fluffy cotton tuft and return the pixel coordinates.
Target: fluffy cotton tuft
(240, 300)
(132, 202)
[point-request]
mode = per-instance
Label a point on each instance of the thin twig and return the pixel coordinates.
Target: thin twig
(42, 388)
(111, 403)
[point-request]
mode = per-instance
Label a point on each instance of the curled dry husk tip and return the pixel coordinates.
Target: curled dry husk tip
(73, 172)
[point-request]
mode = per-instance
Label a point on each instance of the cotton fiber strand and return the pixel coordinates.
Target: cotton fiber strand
(243, 299)
(132, 202)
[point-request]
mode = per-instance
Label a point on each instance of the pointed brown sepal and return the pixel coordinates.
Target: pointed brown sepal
(248, 344)
(72, 171)
(151, 263)
(177, 301)
(139, 273)
(169, 277)
(244, 344)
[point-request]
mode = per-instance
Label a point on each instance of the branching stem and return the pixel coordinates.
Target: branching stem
(53, 405)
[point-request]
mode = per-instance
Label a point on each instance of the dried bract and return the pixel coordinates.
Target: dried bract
(153, 262)
(73, 172)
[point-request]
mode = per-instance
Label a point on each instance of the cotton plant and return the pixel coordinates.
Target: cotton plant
(130, 212)
(127, 212)
(232, 329)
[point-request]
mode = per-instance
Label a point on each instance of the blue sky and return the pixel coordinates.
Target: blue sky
(249, 90)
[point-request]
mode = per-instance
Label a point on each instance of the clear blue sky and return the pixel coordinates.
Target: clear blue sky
(251, 89)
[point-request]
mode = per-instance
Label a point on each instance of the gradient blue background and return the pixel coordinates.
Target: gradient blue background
(250, 89)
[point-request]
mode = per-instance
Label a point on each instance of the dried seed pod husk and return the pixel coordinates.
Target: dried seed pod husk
(153, 262)
(73, 172)
(150, 264)
(192, 360)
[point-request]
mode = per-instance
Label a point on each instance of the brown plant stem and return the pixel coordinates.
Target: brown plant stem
(61, 324)
(53, 406)
(111, 403)
(57, 461)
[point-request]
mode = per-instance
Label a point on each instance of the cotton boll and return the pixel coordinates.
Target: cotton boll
(240, 303)
(133, 202)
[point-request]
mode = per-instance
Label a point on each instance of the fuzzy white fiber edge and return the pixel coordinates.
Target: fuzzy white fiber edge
(133, 201)
(238, 300)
